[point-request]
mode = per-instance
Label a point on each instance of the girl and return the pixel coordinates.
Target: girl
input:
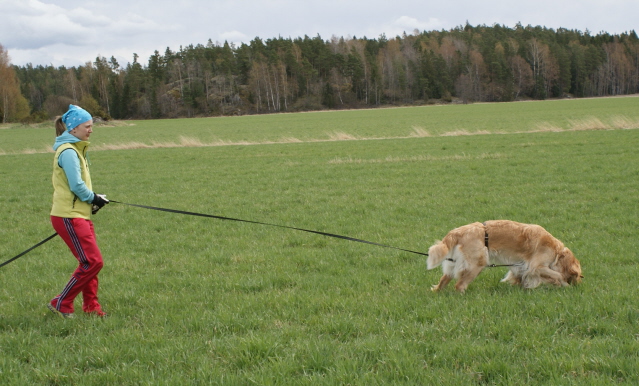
(73, 203)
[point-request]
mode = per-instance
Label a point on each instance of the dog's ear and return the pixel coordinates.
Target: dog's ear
(570, 265)
(566, 257)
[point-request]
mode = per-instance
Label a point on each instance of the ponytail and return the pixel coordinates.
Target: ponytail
(60, 127)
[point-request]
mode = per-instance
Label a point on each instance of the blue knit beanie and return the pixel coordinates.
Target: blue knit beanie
(75, 116)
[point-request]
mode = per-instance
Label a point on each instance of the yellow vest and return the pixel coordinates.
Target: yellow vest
(65, 203)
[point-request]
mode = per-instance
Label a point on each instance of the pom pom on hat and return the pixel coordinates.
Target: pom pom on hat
(75, 116)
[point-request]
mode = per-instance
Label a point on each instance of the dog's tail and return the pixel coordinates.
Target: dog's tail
(436, 254)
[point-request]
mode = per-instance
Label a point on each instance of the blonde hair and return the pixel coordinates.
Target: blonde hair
(60, 127)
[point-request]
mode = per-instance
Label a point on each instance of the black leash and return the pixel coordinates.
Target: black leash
(29, 250)
(268, 224)
(224, 218)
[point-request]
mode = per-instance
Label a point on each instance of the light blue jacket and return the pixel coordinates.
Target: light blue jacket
(70, 163)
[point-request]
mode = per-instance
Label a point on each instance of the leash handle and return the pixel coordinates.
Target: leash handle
(268, 224)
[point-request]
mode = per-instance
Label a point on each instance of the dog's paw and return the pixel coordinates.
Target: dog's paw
(435, 288)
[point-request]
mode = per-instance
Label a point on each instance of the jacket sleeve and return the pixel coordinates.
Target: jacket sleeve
(70, 163)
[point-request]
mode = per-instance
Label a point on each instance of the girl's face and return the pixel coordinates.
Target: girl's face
(83, 130)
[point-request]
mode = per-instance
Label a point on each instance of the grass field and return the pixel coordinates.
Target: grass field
(202, 301)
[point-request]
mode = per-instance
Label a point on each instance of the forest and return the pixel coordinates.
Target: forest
(465, 64)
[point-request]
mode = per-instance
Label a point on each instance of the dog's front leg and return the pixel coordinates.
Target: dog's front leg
(512, 278)
(552, 277)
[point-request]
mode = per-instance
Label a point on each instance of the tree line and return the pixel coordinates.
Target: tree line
(464, 64)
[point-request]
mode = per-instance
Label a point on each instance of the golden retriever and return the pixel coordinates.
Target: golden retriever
(533, 254)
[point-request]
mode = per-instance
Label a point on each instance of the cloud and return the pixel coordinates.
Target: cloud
(233, 36)
(405, 24)
(408, 24)
(72, 32)
(34, 25)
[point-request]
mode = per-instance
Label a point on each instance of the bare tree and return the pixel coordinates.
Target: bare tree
(522, 76)
(616, 73)
(544, 67)
(13, 105)
(102, 77)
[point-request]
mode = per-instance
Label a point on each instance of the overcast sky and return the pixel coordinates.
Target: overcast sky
(72, 32)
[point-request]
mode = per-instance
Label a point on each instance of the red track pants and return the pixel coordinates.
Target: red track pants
(79, 235)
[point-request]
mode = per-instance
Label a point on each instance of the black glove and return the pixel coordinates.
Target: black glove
(99, 200)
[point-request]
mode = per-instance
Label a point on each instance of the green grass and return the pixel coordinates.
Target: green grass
(202, 301)
(575, 114)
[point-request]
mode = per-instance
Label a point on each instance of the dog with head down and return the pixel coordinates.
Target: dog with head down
(532, 253)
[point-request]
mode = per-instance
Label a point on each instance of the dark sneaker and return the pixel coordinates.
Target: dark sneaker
(60, 314)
